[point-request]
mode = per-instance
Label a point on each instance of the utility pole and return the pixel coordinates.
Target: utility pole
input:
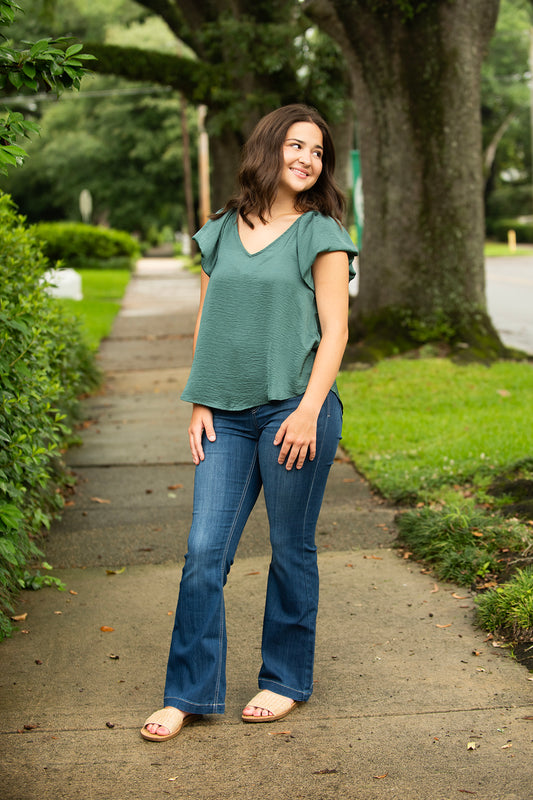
(203, 166)
(187, 172)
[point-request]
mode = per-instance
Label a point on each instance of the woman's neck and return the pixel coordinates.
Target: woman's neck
(283, 206)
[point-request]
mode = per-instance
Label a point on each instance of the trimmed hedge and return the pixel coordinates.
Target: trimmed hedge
(499, 229)
(78, 245)
(45, 364)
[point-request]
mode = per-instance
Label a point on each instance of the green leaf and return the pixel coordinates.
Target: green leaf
(15, 150)
(73, 49)
(16, 79)
(7, 158)
(29, 69)
(39, 47)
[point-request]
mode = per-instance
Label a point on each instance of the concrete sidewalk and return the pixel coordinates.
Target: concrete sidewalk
(410, 701)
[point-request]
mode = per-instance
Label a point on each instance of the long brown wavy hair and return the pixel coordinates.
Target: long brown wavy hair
(262, 162)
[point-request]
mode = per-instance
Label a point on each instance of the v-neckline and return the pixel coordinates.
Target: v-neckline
(266, 247)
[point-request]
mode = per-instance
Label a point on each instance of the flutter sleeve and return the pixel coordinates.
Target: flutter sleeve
(208, 240)
(320, 234)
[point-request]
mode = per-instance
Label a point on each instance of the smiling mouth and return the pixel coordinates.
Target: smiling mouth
(299, 172)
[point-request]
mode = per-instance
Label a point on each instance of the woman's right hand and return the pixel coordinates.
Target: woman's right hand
(201, 420)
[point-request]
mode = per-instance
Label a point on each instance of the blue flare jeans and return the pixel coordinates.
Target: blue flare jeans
(227, 483)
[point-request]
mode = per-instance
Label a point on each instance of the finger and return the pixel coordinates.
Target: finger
(196, 452)
(284, 452)
(312, 450)
(280, 435)
(296, 456)
(210, 431)
(302, 453)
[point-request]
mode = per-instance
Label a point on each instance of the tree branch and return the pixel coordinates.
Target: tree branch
(193, 78)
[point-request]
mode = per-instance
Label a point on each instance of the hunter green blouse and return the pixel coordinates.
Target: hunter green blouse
(259, 330)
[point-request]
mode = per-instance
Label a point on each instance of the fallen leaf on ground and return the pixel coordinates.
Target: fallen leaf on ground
(507, 746)
(471, 746)
(280, 733)
(378, 777)
(20, 617)
(349, 480)
(325, 771)
(71, 591)
(527, 717)
(465, 791)
(407, 554)
(435, 589)
(459, 596)
(115, 571)
(113, 657)
(106, 629)
(110, 724)
(449, 625)
(175, 486)
(69, 504)
(375, 558)
(30, 727)
(99, 500)
(58, 613)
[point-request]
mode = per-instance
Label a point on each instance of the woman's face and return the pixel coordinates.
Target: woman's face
(302, 157)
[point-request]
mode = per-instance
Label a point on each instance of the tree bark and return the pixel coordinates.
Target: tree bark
(417, 95)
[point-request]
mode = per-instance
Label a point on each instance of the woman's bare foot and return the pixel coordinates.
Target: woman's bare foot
(256, 711)
(160, 730)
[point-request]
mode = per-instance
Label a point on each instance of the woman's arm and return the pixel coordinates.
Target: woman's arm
(202, 416)
(297, 434)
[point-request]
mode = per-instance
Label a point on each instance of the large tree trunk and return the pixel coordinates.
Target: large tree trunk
(417, 94)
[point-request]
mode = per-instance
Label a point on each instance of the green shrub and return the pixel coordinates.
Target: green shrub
(508, 202)
(508, 609)
(45, 364)
(500, 228)
(77, 245)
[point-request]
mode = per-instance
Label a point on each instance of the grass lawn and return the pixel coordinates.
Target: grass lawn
(414, 427)
(502, 249)
(103, 290)
(436, 436)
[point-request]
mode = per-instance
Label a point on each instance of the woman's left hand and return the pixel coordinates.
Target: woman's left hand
(297, 437)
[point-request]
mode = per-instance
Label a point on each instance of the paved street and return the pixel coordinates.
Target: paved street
(510, 299)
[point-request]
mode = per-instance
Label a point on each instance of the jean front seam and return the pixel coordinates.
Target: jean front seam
(306, 513)
(221, 636)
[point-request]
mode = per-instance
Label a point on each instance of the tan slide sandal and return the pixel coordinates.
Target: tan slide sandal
(279, 705)
(169, 718)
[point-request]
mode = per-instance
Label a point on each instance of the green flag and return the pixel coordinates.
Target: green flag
(358, 203)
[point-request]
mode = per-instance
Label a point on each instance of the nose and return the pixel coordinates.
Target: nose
(305, 157)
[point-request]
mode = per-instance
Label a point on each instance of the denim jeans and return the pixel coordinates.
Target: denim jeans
(227, 483)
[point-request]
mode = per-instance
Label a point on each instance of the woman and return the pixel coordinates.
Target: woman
(269, 339)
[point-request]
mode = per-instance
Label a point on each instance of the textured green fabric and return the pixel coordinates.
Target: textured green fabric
(259, 329)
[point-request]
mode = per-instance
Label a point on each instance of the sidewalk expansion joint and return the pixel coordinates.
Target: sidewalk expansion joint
(133, 465)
